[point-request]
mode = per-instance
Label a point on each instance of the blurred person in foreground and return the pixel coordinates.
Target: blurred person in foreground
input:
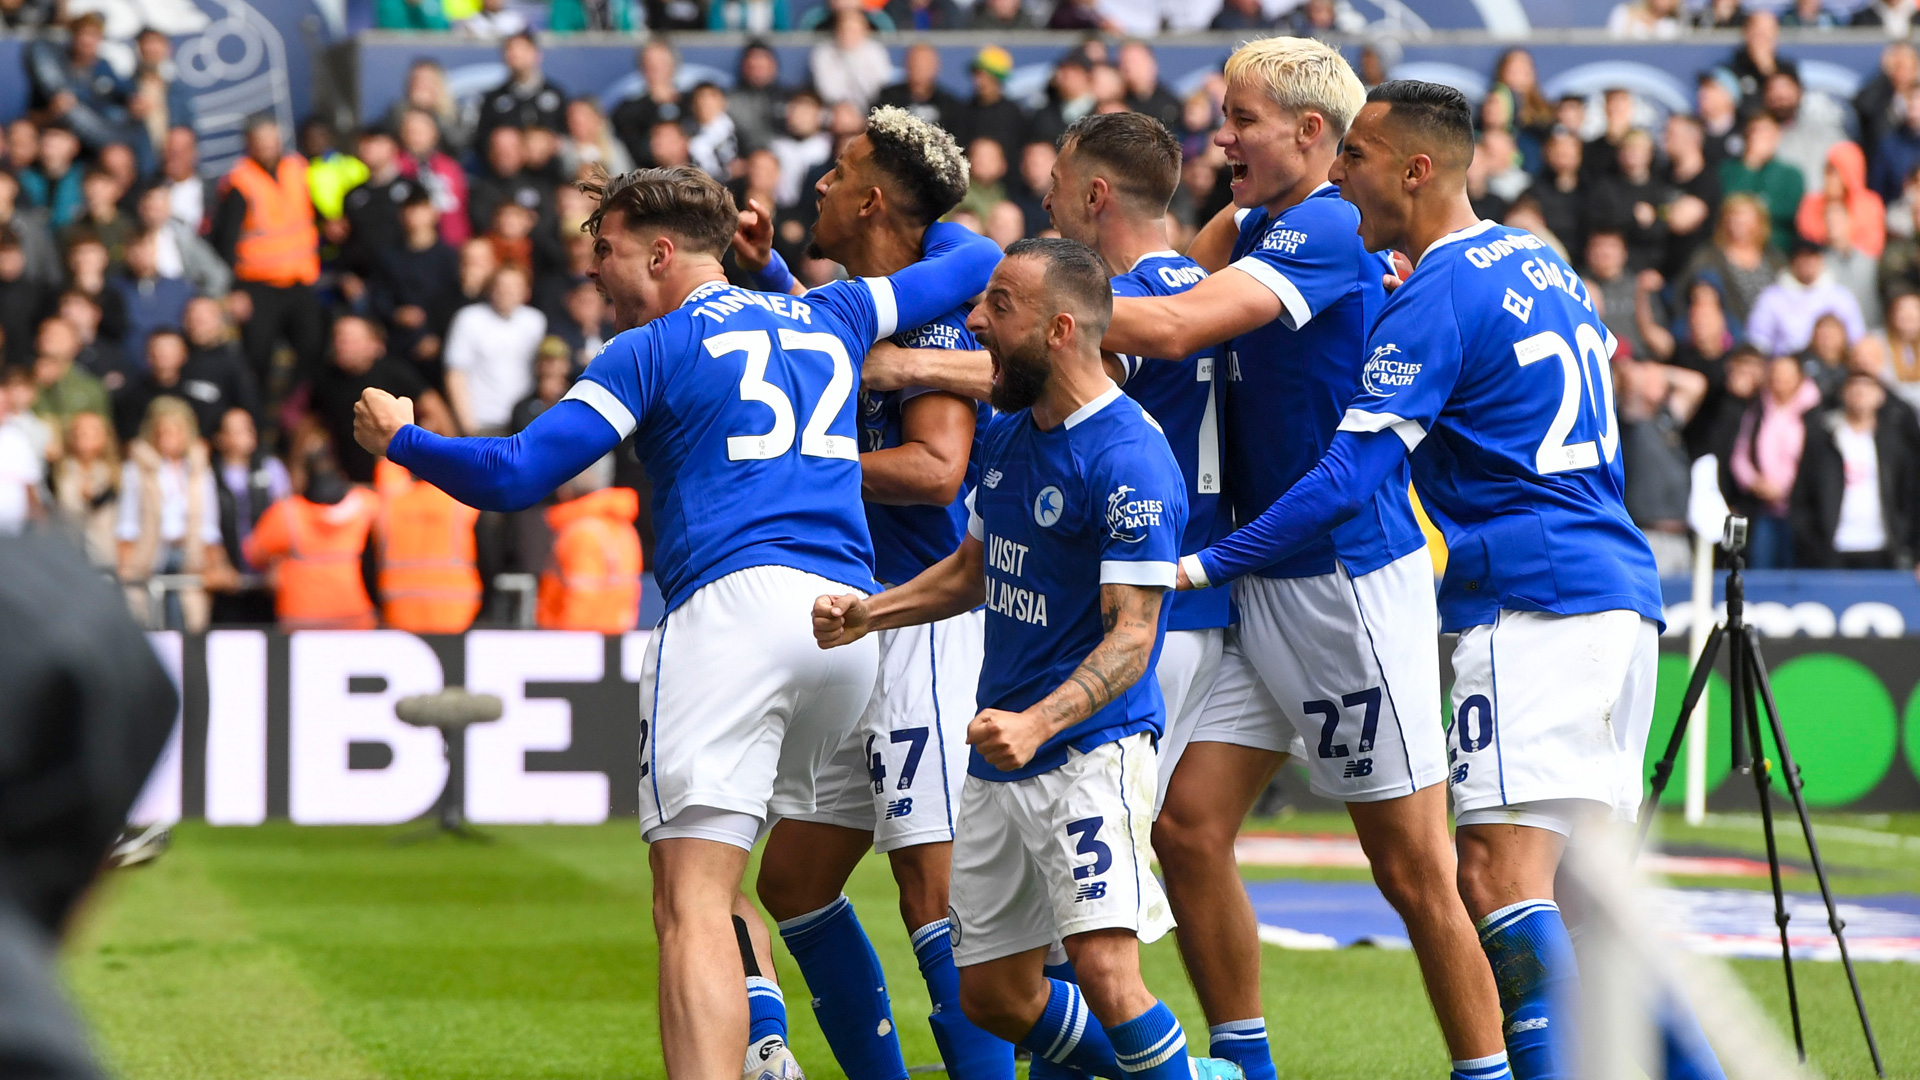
(593, 579)
(87, 711)
(312, 544)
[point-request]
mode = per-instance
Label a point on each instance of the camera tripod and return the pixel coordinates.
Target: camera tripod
(1747, 680)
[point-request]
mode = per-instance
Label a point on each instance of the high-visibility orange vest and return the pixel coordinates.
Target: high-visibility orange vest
(278, 244)
(429, 583)
(593, 582)
(315, 551)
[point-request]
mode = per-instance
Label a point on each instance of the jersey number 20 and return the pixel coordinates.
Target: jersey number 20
(814, 440)
(1586, 370)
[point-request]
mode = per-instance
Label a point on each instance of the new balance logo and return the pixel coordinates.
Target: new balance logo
(1460, 773)
(1093, 890)
(899, 808)
(1519, 1026)
(992, 479)
(1358, 767)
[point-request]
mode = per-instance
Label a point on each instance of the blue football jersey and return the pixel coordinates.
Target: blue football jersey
(1097, 500)
(1184, 397)
(1492, 366)
(744, 407)
(1289, 382)
(908, 539)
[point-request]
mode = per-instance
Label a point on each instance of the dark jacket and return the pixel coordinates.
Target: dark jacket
(1814, 508)
(543, 105)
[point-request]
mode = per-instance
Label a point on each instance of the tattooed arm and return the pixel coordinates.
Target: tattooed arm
(1131, 617)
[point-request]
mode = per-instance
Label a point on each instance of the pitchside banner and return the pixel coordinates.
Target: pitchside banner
(302, 727)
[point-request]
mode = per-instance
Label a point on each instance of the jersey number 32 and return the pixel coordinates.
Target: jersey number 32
(814, 439)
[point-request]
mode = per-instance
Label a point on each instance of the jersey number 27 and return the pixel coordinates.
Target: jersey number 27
(1589, 372)
(814, 440)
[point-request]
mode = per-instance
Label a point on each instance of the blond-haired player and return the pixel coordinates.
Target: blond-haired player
(1341, 633)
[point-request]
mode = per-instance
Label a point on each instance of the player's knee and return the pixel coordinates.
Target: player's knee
(990, 1006)
(1415, 884)
(1478, 887)
(1185, 841)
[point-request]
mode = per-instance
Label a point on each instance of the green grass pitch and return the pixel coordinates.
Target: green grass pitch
(330, 954)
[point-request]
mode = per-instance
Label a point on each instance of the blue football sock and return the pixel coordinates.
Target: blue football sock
(1689, 1056)
(766, 1010)
(1534, 970)
(1491, 1067)
(1040, 1068)
(970, 1054)
(849, 990)
(1067, 1034)
(1151, 1046)
(1244, 1042)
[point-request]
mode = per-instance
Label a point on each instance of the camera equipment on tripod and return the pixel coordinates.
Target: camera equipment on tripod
(1750, 691)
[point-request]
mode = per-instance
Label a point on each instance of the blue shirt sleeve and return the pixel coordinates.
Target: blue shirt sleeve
(511, 473)
(1305, 259)
(1414, 357)
(622, 382)
(1336, 489)
(953, 269)
(1141, 497)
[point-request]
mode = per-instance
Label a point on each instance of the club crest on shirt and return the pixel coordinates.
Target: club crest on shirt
(1048, 506)
(1387, 371)
(1129, 518)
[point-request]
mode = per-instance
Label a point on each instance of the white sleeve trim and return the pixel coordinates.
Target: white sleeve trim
(1196, 573)
(1118, 572)
(886, 311)
(976, 525)
(601, 400)
(1293, 305)
(1240, 215)
(1360, 420)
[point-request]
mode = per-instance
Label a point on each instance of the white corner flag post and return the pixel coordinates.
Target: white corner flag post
(1707, 515)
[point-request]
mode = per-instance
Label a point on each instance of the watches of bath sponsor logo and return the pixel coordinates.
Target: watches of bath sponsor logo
(1388, 370)
(1048, 506)
(1285, 241)
(1129, 517)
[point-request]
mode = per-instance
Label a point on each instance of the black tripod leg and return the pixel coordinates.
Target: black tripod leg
(1790, 772)
(1748, 716)
(1663, 769)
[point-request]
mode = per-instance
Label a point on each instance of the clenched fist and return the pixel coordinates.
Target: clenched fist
(1008, 740)
(377, 417)
(840, 620)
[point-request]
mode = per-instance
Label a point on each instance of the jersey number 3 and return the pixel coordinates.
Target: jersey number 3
(814, 440)
(1587, 371)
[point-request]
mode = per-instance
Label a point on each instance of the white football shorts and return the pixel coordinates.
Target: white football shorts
(1236, 709)
(739, 707)
(1039, 860)
(1353, 664)
(1551, 707)
(1189, 662)
(898, 774)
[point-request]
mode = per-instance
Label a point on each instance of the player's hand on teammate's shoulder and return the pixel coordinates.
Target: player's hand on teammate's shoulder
(377, 417)
(1402, 269)
(753, 240)
(1008, 740)
(839, 620)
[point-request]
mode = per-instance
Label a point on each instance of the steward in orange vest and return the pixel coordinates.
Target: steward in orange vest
(593, 580)
(313, 543)
(429, 583)
(278, 244)
(263, 226)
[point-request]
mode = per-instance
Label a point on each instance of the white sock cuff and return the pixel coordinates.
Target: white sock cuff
(1488, 1062)
(761, 986)
(937, 926)
(1498, 920)
(801, 922)
(1256, 1028)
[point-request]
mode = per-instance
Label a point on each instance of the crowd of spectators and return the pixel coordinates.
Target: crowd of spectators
(182, 351)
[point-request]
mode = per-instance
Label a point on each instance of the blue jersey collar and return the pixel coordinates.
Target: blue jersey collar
(704, 291)
(1085, 411)
(1467, 233)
